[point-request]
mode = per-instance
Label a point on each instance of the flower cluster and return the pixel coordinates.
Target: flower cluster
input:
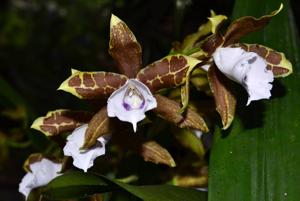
(133, 92)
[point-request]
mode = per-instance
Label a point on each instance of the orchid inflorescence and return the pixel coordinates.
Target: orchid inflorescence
(135, 91)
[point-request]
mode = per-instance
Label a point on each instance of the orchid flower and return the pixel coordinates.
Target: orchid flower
(40, 173)
(251, 65)
(84, 159)
(129, 96)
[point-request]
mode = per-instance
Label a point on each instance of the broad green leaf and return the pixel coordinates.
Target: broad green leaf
(78, 184)
(258, 158)
(164, 192)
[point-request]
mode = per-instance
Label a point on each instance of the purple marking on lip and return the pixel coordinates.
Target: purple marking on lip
(143, 104)
(126, 106)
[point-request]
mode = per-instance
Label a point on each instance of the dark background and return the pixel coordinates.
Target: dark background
(40, 41)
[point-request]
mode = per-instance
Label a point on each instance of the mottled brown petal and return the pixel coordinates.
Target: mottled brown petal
(168, 72)
(124, 48)
(246, 25)
(276, 61)
(60, 121)
(98, 126)
(224, 98)
(93, 85)
(212, 43)
(170, 110)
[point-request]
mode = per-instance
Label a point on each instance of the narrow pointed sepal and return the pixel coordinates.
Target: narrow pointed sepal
(276, 61)
(92, 85)
(246, 25)
(151, 151)
(124, 48)
(60, 121)
(98, 126)
(224, 98)
(170, 110)
(171, 71)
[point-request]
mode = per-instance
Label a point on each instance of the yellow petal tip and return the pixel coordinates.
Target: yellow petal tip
(63, 86)
(37, 123)
(114, 20)
(74, 71)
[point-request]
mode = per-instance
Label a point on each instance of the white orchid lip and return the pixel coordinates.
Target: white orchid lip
(130, 102)
(84, 159)
(247, 69)
(42, 172)
(133, 99)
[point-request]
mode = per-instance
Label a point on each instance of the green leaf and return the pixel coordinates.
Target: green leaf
(78, 184)
(258, 158)
(163, 192)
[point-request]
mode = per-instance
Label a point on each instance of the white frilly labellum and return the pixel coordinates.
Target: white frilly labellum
(130, 102)
(247, 69)
(84, 159)
(42, 172)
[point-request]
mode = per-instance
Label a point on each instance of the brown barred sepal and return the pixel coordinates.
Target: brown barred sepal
(98, 126)
(60, 121)
(124, 48)
(276, 61)
(151, 151)
(170, 110)
(246, 25)
(224, 98)
(171, 71)
(92, 85)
